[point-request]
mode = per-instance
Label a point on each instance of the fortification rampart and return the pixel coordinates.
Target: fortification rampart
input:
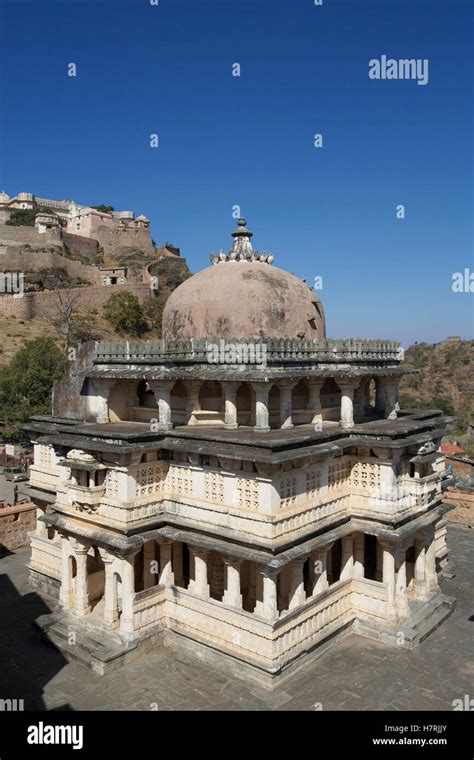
(43, 304)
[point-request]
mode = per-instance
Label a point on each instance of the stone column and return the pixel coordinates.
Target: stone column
(359, 558)
(162, 390)
(389, 579)
(230, 404)
(420, 585)
(232, 594)
(128, 595)
(66, 594)
(285, 389)
(102, 388)
(430, 554)
(193, 387)
(391, 399)
(268, 607)
(110, 590)
(401, 584)
(261, 407)
(166, 567)
(297, 592)
(199, 584)
(81, 601)
(149, 577)
(347, 388)
(314, 403)
(379, 395)
(347, 557)
(319, 570)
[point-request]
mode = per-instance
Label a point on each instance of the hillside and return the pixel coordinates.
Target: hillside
(445, 380)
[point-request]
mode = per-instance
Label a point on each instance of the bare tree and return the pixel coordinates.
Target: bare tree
(61, 317)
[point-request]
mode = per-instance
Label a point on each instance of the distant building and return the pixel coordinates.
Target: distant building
(458, 463)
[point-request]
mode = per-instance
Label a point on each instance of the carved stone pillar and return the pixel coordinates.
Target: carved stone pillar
(267, 607)
(319, 569)
(110, 590)
(162, 390)
(199, 584)
(81, 601)
(297, 592)
(285, 389)
(193, 387)
(389, 579)
(401, 598)
(230, 404)
(347, 557)
(391, 399)
(232, 594)
(420, 584)
(166, 567)
(347, 388)
(359, 546)
(102, 388)
(66, 593)
(128, 595)
(430, 555)
(314, 403)
(261, 407)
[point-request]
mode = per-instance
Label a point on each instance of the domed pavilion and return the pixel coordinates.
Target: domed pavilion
(245, 487)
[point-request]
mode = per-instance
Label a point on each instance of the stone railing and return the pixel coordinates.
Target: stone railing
(277, 351)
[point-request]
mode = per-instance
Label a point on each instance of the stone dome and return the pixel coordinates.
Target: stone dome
(4, 197)
(243, 296)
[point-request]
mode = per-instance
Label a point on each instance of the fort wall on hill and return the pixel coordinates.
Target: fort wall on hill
(112, 239)
(18, 260)
(43, 304)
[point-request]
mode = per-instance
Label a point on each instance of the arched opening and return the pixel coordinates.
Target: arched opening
(370, 557)
(330, 401)
(146, 397)
(299, 404)
(410, 565)
(244, 405)
(248, 585)
(274, 407)
(336, 558)
(212, 403)
(95, 577)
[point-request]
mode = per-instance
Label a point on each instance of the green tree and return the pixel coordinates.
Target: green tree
(25, 217)
(153, 310)
(26, 383)
(124, 312)
(105, 209)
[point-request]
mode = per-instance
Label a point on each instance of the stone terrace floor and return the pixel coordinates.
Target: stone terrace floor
(357, 674)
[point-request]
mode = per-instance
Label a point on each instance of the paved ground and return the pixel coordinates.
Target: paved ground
(357, 674)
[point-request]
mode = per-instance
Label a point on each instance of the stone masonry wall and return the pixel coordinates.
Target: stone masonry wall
(43, 304)
(15, 524)
(17, 260)
(121, 237)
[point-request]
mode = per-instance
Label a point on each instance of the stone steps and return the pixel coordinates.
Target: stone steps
(425, 617)
(88, 645)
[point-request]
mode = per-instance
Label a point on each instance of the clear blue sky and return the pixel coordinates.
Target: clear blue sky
(167, 69)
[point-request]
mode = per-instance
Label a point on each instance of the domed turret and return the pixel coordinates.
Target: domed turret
(243, 296)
